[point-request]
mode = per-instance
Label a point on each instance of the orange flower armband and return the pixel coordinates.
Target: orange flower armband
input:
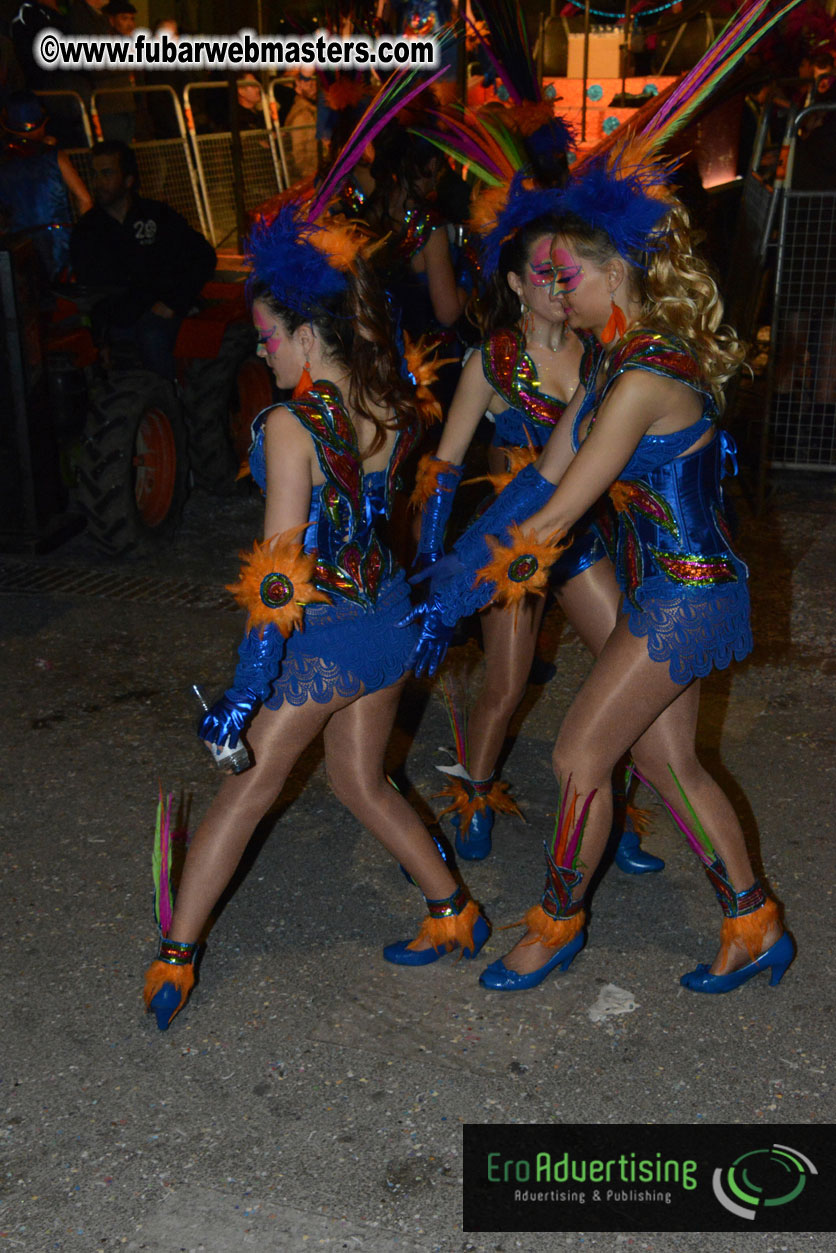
(276, 582)
(521, 566)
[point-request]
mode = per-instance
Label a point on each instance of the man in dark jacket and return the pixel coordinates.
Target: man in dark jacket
(144, 249)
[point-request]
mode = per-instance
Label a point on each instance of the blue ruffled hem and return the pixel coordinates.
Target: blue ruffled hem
(345, 649)
(700, 630)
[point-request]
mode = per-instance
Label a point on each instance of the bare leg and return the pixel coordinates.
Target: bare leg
(509, 652)
(355, 744)
(621, 700)
(277, 738)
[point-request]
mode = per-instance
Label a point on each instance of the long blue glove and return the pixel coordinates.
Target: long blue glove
(436, 514)
(259, 665)
(434, 639)
(452, 592)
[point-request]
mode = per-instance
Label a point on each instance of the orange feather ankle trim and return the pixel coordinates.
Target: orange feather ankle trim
(160, 973)
(751, 929)
(448, 932)
(553, 932)
(638, 818)
(466, 805)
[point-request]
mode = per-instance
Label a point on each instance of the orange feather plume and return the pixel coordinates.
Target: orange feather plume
(276, 582)
(345, 93)
(341, 240)
(424, 367)
(516, 459)
(520, 568)
(530, 116)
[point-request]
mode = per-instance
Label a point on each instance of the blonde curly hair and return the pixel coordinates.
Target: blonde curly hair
(676, 289)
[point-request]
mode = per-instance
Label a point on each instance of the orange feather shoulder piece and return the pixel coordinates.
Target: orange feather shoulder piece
(276, 582)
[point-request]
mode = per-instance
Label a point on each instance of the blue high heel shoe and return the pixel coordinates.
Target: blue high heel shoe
(401, 955)
(631, 858)
(776, 958)
(499, 978)
(476, 845)
(169, 981)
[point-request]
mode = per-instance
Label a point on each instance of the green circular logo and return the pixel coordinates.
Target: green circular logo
(762, 1178)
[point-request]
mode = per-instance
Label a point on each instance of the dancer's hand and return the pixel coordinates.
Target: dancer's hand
(434, 639)
(228, 716)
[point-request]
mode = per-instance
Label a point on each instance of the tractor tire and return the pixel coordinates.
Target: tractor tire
(132, 470)
(220, 399)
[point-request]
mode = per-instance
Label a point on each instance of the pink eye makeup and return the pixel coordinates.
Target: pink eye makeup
(567, 274)
(268, 332)
(540, 268)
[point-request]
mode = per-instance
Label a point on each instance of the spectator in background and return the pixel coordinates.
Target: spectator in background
(36, 183)
(32, 17)
(248, 103)
(300, 125)
(158, 261)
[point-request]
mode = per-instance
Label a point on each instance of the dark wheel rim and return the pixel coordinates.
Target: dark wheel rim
(155, 467)
(254, 391)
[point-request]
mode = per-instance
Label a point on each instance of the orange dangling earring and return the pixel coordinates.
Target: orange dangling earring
(305, 382)
(527, 319)
(616, 324)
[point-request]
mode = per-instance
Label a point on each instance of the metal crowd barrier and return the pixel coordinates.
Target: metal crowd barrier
(212, 150)
(68, 113)
(801, 378)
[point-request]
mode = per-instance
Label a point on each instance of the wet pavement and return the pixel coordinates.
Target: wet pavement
(312, 1096)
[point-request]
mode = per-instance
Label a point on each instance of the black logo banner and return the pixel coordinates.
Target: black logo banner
(666, 1177)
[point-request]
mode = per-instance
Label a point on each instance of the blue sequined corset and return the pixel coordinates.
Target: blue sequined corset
(532, 414)
(664, 527)
(349, 511)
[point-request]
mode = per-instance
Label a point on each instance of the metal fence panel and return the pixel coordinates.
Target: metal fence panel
(261, 178)
(803, 392)
(68, 115)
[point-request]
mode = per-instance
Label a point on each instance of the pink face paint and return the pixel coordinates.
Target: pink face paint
(268, 330)
(567, 271)
(540, 268)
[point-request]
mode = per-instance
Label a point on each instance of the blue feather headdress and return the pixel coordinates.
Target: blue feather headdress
(524, 204)
(626, 202)
(303, 263)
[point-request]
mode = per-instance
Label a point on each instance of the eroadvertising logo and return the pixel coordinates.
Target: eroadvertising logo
(666, 1177)
(773, 1176)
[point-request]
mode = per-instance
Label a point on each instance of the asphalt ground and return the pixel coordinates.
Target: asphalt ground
(312, 1096)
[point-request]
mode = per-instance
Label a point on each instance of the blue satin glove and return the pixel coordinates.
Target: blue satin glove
(259, 665)
(434, 639)
(228, 716)
(435, 516)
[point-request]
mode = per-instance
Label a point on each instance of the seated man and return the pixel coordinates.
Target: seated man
(144, 249)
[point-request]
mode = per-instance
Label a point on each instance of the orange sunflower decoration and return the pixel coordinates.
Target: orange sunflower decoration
(276, 582)
(521, 567)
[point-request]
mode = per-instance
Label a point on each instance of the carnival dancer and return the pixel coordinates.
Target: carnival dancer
(321, 652)
(645, 437)
(528, 368)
